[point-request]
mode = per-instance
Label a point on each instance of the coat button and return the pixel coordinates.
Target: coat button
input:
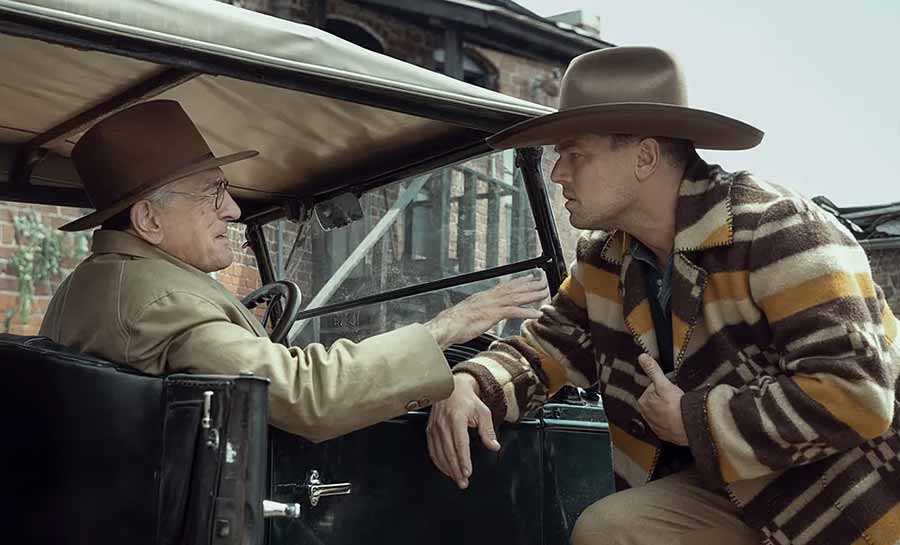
(417, 404)
(636, 427)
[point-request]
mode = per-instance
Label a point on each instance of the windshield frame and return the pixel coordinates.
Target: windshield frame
(550, 260)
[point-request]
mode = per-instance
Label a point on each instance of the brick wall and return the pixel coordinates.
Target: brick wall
(522, 78)
(241, 277)
(516, 76)
(401, 40)
(413, 43)
(10, 240)
(885, 263)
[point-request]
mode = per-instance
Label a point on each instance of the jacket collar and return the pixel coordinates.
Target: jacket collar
(108, 241)
(703, 219)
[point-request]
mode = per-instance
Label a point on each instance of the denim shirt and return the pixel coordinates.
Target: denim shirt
(659, 287)
(673, 458)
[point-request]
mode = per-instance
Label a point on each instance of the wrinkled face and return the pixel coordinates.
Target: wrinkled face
(194, 229)
(598, 182)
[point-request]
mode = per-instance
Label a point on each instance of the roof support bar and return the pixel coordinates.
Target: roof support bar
(33, 152)
(24, 164)
(148, 88)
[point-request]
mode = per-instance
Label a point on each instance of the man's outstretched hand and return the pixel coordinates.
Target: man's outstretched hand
(448, 429)
(661, 403)
(450, 420)
(481, 311)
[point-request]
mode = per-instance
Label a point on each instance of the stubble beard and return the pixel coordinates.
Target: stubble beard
(604, 222)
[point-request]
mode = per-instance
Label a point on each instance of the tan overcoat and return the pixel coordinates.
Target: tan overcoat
(132, 303)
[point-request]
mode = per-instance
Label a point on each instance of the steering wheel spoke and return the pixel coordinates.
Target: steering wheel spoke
(284, 294)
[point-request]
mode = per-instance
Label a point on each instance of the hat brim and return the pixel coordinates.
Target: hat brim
(97, 218)
(707, 130)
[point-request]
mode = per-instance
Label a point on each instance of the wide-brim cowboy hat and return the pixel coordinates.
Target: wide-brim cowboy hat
(132, 153)
(628, 90)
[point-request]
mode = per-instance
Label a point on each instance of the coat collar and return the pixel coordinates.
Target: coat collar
(703, 219)
(108, 241)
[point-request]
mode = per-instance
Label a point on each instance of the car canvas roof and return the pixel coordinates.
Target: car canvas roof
(324, 113)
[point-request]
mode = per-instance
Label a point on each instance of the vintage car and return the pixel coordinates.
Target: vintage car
(376, 194)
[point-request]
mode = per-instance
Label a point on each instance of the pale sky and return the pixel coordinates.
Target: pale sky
(821, 79)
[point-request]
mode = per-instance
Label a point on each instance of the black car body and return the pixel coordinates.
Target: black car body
(341, 131)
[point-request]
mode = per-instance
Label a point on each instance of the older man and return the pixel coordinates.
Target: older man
(746, 360)
(143, 298)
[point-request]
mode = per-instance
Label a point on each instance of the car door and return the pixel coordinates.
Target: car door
(577, 459)
(550, 468)
(424, 244)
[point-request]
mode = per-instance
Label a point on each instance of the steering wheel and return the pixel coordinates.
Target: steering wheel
(272, 294)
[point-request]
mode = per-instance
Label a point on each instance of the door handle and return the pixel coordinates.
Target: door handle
(317, 489)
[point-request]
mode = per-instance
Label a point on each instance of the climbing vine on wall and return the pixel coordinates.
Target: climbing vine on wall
(39, 253)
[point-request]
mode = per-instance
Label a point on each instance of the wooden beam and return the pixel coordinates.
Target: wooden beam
(438, 235)
(58, 196)
(492, 253)
(319, 13)
(453, 57)
(466, 225)
(282, 9)
(521, 213)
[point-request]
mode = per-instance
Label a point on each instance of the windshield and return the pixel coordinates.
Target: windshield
(467, 217)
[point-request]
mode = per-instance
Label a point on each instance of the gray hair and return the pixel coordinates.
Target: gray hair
(160, 196)
(121, 221)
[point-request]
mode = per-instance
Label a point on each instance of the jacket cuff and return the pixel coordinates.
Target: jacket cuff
(490, 390)
(695, 415)
(413, 343)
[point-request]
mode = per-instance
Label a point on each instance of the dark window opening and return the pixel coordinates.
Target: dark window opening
(475, 70)
(354, 33)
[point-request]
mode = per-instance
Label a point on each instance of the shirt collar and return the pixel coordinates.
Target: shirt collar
(642, 253)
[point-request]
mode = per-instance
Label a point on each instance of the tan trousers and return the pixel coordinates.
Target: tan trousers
(675, 510)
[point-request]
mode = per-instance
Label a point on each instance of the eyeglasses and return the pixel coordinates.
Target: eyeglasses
(218, 195)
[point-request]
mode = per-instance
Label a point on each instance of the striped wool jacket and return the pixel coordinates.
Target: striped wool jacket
(783, 345)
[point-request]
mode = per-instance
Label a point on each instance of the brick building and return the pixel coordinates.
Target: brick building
(877, 228)
(492, 43)
(884, 257)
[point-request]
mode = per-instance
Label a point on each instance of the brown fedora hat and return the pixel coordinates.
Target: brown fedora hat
(128, 155)
(628, 90)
